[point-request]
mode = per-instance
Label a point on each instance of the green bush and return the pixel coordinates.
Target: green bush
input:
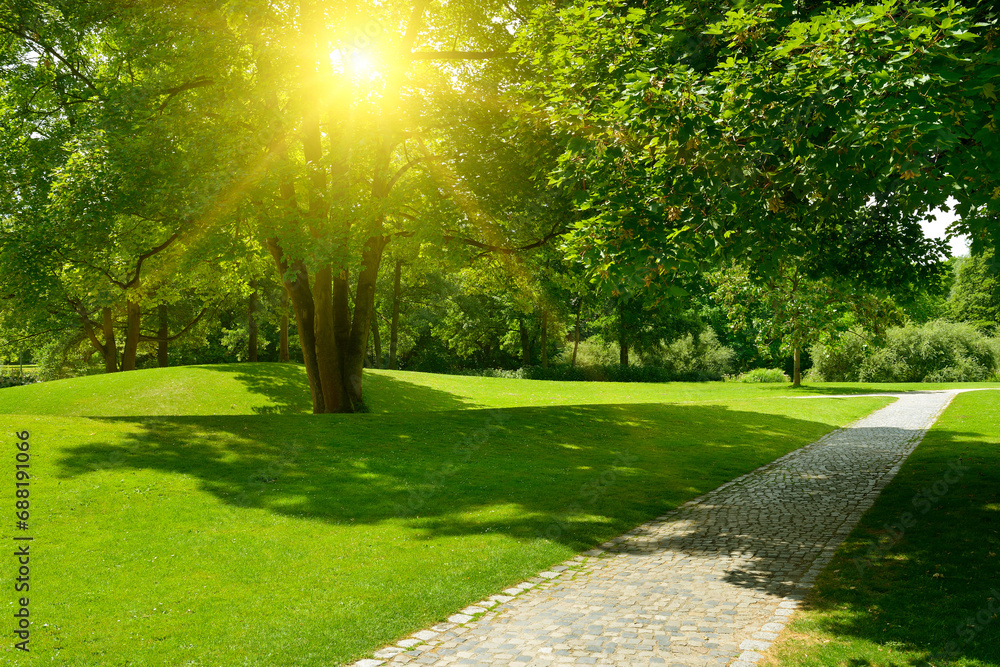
(702, 358)
(938, 351)
(840, 361)
(761, 375)
(812, 376)
(688, 358)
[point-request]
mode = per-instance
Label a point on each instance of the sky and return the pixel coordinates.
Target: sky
(937, 228)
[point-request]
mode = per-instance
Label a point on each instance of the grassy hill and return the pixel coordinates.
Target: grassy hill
(198, 516)
(270, 388)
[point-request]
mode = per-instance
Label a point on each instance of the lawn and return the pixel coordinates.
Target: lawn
(918, 582)
(265, 388)
(289, 539)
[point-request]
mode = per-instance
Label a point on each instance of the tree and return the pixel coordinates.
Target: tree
(342, 155)
(117, 180)
(703, 133)
(788, 311)
(975, 295)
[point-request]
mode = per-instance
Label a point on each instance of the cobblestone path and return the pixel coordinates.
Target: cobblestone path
(711, 583)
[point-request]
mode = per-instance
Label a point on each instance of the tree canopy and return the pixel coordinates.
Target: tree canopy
(548, 168)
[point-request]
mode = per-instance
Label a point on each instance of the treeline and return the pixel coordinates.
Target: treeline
(432, 319)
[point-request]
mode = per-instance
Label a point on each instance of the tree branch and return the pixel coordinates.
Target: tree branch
(156, 339)
(460, 55)
(146, 255)
(58, 56)
(171, 93)
(406, 167)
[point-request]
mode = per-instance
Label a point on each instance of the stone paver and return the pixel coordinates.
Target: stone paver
(711, 583)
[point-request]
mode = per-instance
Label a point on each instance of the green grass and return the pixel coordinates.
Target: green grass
(265, 388)
(927, 594)
(288, 539)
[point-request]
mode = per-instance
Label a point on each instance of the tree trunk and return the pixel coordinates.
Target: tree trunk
(376, 339)
(301, 297)
(110, 350)
(576, 334)
(327, 352)
(252, 327)
(545, 338)
(283, 334)
(525, 344)
(394, 325)
(364, 305)
(797, 370)
(133, 313)
(622, 336)
(162, 350)
(342, 323)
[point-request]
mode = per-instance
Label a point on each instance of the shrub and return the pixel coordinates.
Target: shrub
(703, 358)
(762, 375)
(938, 351)
(812, 376)
(840, 361)
(16, 379)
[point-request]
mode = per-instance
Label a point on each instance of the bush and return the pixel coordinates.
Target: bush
(840, 361)
(703, 358)
(812, 376)
(761, 375)
(686, 359)
(938, 351)
(15, 379)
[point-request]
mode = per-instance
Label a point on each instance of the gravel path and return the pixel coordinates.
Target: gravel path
(711, 583)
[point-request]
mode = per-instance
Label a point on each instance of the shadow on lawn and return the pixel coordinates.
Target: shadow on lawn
(578, 475)
(285, 385)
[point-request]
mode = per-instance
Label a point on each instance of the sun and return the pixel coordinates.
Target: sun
(361, 66)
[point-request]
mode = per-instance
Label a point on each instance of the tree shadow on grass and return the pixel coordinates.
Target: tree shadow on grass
(283, 384)
(286, 387)
(622, 462)
(578, 475)
(392, 393)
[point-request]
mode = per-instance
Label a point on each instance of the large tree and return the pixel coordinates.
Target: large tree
(118, 183)
(760, 132)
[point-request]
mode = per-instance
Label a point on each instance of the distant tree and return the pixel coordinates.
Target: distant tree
(788, 311)
(975, 295)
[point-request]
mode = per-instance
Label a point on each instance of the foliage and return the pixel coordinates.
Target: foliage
(934, 352)
(938, 351)
(975, 294)
(841, 360)
(788, 311)
(759, 133)
(761, 375)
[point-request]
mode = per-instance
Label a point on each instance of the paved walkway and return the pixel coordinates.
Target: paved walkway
(711, 583)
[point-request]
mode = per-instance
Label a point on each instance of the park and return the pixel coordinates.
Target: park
(496, 333)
